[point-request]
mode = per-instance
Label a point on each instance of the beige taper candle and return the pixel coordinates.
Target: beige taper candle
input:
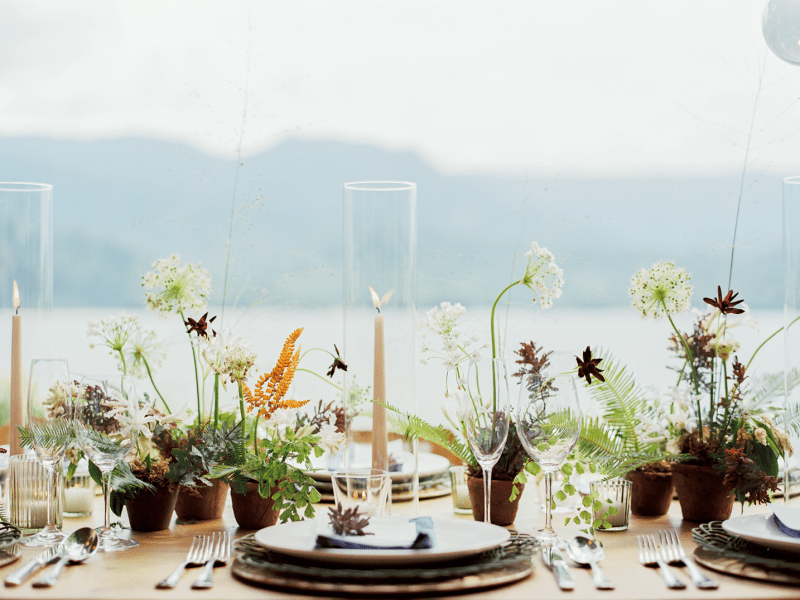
(380, 439)
(17, 408)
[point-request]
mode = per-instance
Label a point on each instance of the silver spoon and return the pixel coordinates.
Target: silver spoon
(586, 552)
(79, 546)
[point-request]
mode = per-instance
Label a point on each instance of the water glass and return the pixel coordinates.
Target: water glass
(613, 493)
(28, 492)
(365, 488)
(462, 505)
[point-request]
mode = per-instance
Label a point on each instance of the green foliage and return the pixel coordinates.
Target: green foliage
(274, 470)
(203, 448)
(124, 485)
(413, 427)
(46, 435)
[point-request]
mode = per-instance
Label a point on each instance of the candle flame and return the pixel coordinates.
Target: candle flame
(377, 300)
(16, 297)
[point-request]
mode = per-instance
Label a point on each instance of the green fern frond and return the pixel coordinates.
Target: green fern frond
(770, 386)
(789, 419)
(414, 427)
(46, 435)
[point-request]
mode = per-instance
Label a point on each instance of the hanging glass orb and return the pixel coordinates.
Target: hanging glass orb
(781, 26)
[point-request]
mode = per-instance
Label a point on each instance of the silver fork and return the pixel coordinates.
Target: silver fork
(197, 555)
(649, 557)
(219, 557)
(674, 553)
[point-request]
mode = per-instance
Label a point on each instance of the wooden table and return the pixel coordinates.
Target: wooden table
(134, 573)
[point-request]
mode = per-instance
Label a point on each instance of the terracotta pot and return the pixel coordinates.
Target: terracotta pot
(651, 493)
(251, 510)
(701, 493)
(152, 511)
(202, 503)
(501, 510)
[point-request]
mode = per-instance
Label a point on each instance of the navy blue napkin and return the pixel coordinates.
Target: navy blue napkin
(424, 539)
(788, 519)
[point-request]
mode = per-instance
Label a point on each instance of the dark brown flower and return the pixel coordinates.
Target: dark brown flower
(744, 475)
(533, 359)
(338, 363)
(588, 366)
(726, 304)
(200, 327)
(347, 522)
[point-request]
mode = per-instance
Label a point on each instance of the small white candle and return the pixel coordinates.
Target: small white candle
(618, 519)
(38, 515)
(462, 496)
(78, 500)
(17, 408)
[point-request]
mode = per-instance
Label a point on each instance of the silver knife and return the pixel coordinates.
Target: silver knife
(558, 565)
(47, 557)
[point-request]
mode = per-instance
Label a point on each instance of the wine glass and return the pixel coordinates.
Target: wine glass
(50, 427)
(487, 419)
(106, 414)
(548, 425)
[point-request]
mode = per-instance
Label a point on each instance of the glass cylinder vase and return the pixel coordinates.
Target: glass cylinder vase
(380, 277)
(791, 306)
(26, 257)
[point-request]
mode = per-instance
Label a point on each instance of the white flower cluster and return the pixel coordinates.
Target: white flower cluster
(663, 289)
(443, 321)
(285, 418)
(673, 418)
(177, 288)
(124, 336)
(232, 359)
(138, 420)
(542, 275)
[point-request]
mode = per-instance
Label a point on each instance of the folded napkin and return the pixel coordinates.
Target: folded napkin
(788, 519)
(390, 533)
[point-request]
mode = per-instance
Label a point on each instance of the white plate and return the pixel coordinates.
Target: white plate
(430, 465)
(455, 538)
(762, 530)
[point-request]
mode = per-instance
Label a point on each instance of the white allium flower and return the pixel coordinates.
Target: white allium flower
(542, 275)
(143, 347)
(239, 359)
(177, 288)
(662, 289)
(114, 331)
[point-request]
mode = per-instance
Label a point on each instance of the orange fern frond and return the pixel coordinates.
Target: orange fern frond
(272, 387)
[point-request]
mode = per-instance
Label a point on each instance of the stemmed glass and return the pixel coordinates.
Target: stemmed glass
(50, 427)
(488, 418)
(106, 413)
(548, 425)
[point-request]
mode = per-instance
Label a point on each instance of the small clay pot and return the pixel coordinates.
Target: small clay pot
(702, 495)
(152, 511)
(501, 510)
(202, 503)
(251, 510)
(651, 493)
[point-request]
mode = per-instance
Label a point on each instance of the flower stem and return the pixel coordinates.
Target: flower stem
(150, 375)
(690, 358)
(494, 346)
(124, 364)
(325, 379)
(768, 339)
(196, 376)
(216, 400)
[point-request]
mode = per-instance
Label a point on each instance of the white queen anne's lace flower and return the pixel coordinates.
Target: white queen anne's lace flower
(663, 289)
(176, 288)
(542, 275)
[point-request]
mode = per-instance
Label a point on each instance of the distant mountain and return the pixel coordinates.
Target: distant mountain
(121, 204)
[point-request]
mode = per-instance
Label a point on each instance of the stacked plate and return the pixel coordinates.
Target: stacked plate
(433, 477)
(467, 555)
(9, 543)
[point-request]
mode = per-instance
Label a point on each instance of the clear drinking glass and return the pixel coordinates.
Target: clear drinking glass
(106, 413)
(548, 425)
(488, 418)
(366, 489)
(50, 426)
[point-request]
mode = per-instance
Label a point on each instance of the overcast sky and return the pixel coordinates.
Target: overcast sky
(582, 88)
